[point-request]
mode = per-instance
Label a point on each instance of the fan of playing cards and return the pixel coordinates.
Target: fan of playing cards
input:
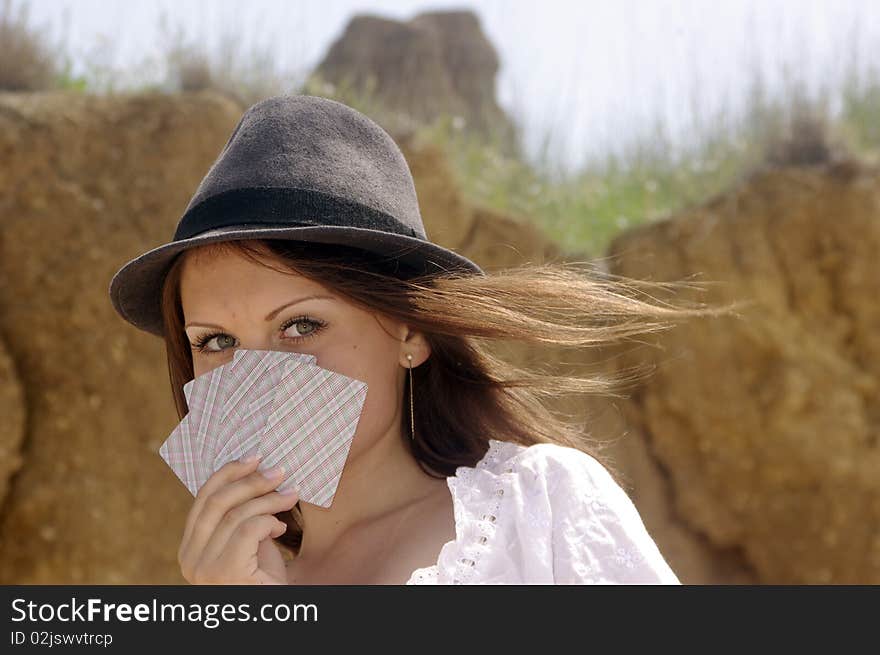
(279, 404)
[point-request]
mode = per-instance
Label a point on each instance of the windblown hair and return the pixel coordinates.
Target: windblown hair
(464, 394)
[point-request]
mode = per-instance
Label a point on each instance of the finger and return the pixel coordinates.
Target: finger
(215, 506)
(224, 475)
(263, 578)
(224, 570)
(240, 553)
(270, 503)
(271, 560)
(230, 471)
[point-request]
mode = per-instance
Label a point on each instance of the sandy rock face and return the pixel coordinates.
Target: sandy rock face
(12, 421)
(767, 426)
(87, 183)
(491, 239)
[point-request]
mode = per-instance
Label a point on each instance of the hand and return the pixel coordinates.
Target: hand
(229, 530)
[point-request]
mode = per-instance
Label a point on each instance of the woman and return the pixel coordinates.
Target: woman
(305, 236)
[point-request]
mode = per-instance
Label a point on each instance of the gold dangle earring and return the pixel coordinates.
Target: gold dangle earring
(412, 420)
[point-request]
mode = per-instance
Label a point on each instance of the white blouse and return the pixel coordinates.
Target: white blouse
(543, 514)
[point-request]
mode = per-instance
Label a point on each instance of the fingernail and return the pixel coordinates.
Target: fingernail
(251, 456)
(273, 472)
(293, 491)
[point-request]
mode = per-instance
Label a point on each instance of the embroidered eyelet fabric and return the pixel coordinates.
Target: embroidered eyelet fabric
(543, 514)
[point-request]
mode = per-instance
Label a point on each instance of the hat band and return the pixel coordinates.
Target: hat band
(259, 206)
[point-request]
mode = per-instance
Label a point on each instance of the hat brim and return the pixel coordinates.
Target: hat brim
(135, 289)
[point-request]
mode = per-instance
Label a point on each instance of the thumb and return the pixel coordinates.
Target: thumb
(270, 561)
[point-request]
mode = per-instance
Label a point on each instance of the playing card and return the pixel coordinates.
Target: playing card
(280, 404)
(253, 375)
(178, 452)
(190, 449)
(206, 392)
(309, 428)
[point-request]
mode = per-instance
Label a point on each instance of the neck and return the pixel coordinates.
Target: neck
(377, 481)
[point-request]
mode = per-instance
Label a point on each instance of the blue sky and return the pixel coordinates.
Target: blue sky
(594, 74)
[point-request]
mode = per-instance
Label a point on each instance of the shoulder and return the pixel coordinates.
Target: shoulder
(546, 513)
(551, 465)
(596, 532)
(560, 461)
(561, 479)
(577, 486)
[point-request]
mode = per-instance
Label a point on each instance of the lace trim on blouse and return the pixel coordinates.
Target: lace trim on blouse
(476, 508)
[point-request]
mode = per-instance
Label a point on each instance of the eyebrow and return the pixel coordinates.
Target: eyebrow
(270, 315)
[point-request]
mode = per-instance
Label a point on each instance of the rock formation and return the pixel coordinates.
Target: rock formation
(437, 63)
(86, 183)
(765, 427)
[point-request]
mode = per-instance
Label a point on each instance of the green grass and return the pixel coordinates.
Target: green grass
(584, 210)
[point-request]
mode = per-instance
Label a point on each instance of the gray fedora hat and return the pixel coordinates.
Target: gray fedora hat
(296, 167)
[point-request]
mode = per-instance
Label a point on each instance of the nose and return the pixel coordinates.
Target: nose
(256, 343)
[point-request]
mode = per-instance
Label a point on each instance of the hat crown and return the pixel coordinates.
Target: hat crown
(302, 168)
(306, 160)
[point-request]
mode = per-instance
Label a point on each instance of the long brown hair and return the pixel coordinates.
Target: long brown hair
(463, 394)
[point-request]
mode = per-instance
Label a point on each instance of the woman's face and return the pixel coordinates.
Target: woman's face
(230, 302)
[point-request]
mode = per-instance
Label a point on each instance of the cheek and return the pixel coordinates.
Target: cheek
(203, 364)
(379, 369)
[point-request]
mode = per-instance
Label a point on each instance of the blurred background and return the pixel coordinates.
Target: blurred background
(734, 143)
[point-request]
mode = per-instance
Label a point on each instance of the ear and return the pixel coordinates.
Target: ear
(413, 343)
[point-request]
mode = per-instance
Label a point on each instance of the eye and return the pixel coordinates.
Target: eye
(303, 327)
(223, 341)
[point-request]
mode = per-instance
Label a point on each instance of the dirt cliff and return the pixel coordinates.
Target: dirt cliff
(764, 430)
